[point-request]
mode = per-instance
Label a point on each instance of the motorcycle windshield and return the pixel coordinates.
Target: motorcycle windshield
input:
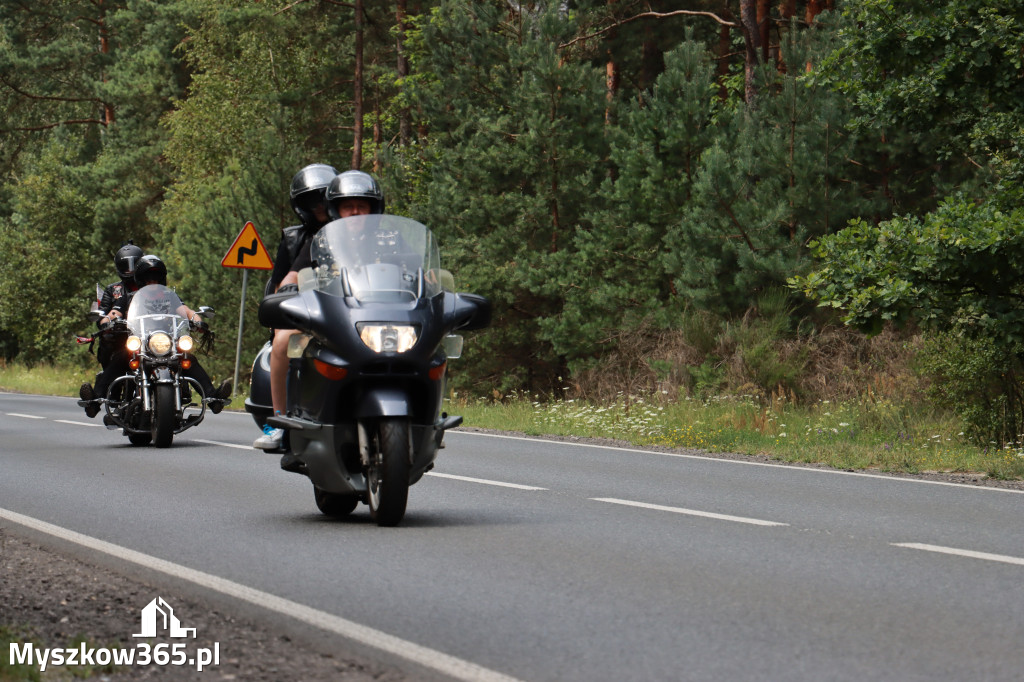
(377, 258)
(154, 308)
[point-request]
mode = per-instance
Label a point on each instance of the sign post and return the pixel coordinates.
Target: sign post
(248, 253)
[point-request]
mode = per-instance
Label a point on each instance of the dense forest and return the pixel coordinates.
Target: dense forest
(607, 172)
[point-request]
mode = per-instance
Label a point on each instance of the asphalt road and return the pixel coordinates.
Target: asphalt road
(544, 560)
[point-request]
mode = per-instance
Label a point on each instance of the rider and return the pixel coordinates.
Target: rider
(151, 270)
(114, 294)
(307, 197)
(350, 193)
(125, 260)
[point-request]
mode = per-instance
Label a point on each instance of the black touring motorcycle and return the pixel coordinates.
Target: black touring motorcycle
(155, 399)
(367, 369)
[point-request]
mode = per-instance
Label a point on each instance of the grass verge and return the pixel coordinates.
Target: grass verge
(853, 435)
(856, 435)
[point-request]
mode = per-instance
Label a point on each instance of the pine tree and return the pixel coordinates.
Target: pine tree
(515, 154)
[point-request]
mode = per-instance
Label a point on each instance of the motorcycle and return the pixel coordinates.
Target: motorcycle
(154, 401)
(368, 368)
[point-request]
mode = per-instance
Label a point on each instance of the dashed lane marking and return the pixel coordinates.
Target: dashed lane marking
(222, 444)
(485, 481)
(1002, 558)
(689, 512)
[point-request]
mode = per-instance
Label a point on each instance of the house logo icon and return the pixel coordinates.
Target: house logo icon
(158, 615)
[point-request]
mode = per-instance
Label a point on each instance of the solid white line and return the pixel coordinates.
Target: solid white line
(435, 660)
(709, 458)
(226, 445)
(961, 552)
(485, 481)
(26, 416)
(689, 512)
(68, 421)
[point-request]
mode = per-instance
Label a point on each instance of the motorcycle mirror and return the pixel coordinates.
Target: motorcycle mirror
(274, 316)
(94, 316)
(205, 311)
(470, 312)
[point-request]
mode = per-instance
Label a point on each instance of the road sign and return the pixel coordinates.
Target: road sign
(248, 251)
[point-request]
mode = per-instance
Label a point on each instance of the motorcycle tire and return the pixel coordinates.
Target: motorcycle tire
(333, 504)
(164, 415)
(387, 476)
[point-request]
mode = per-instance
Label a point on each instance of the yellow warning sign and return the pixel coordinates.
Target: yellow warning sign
(248, 251)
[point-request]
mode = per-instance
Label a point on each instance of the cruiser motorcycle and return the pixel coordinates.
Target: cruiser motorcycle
(155, 400)
(367, 370)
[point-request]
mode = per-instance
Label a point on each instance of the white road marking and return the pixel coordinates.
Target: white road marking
(26, 416)
(708, 458)
(961, 552)
(485, 481)
(429, 658)
(69, 421)
(689, 512)
(226, 445)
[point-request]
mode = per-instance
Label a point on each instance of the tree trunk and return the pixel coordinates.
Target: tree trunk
(814, 8)
(357, 137)
(108, 109)
(764, 15)
(611, 77)
(402, 69)
(752, 40)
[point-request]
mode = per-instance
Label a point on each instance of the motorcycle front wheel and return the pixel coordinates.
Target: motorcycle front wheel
(387, 476)
(164, 415)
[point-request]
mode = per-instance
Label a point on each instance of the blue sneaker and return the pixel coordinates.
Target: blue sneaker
(270, 440)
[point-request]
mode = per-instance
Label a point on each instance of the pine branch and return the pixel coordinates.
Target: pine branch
(48, 126)
(299, 2)
(644, 15)
(49, 97)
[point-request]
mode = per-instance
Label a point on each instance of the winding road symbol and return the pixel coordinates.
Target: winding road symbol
(248, 251)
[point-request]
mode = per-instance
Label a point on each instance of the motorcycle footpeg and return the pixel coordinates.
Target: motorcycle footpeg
(293, 423)
(449, 422)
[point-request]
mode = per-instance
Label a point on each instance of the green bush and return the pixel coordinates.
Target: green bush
(980, 381)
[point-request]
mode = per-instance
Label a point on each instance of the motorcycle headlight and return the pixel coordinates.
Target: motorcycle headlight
(387, 338)
(160, 343)
(185, 344)
(133, 344)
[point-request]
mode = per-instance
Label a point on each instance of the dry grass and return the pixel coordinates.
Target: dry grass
(836, 363)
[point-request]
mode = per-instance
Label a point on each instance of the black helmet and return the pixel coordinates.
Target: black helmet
(126, 259)
(354, 184)
(308, 187)
(150, 269)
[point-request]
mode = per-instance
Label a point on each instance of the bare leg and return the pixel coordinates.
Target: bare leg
(279, 370)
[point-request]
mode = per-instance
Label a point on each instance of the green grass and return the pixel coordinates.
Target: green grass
(858, 436)
(44, 379)
(65, 381)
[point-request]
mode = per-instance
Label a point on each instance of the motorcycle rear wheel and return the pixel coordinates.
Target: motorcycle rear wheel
(163, 415)
(387, 476)
(333, 504)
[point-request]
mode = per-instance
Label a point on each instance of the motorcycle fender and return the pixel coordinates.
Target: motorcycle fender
(384, 402)
(162, 375)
